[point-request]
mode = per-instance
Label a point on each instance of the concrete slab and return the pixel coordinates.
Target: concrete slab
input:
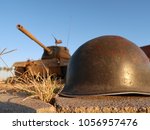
(104, 104)
(15, 104)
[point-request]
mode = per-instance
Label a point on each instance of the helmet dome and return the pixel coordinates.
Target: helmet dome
(107, 65)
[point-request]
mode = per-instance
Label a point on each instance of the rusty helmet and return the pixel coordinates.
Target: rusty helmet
(107, 65)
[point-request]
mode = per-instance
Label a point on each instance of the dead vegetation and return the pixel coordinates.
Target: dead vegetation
(43, 88)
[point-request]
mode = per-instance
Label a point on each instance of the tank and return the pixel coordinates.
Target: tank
(54, 60)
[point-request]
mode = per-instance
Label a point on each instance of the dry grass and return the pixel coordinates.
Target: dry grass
(43, 88)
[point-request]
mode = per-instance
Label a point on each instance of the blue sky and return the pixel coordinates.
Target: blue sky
(81, 20)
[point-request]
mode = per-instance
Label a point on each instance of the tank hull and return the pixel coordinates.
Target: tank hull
(41, 67)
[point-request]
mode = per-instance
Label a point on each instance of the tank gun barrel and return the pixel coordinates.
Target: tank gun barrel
(27, 33)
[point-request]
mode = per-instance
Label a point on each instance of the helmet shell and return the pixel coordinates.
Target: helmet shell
(107, 65)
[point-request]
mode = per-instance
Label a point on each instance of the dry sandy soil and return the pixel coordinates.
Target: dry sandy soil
(11, 89)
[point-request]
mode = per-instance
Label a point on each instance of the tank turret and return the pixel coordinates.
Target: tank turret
(50, 51)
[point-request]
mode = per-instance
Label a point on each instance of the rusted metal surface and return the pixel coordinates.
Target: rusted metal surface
(44, 67)
(58, 52)
(146, 49)
(53, 61)
(107, 65)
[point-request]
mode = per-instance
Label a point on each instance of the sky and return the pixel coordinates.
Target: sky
(73, 21)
